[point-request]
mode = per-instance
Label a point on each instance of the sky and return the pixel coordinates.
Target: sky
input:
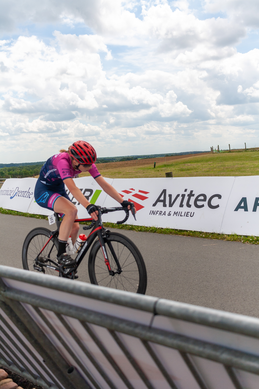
(130, 77)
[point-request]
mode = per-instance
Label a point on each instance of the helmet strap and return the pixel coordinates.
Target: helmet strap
(76, 166)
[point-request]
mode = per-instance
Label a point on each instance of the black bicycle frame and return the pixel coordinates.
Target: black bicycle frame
(87, 244)
(97, 230)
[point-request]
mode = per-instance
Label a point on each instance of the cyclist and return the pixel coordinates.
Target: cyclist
(60, 169)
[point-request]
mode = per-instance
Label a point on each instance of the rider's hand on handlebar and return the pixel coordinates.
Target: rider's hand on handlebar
(129, 205)
(93, 211)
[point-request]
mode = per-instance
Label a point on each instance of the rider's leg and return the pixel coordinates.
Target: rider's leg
(67, 227)
(63, 205)
(74, 231)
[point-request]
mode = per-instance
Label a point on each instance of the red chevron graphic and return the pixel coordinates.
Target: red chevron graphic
(140, 195)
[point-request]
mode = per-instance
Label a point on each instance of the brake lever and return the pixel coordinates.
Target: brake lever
(133, 211)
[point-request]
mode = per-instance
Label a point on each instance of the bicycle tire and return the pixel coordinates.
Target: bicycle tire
(133, 277)
(32, 246)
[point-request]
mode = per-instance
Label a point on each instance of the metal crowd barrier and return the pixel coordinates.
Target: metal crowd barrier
(67, 334)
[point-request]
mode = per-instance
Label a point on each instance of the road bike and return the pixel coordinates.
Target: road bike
(114, 260)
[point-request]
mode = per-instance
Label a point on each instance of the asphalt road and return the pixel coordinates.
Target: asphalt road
(210, 273)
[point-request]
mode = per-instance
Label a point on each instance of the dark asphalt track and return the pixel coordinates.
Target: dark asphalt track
(210, 273)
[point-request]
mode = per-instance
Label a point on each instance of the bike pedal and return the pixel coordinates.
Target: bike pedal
(70, 274)
(71, 277)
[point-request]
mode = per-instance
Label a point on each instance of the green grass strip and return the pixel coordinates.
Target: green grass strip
(165, 231)
(16, 213)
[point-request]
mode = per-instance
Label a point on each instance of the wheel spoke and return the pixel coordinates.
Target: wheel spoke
(36, 259)
(132, 277)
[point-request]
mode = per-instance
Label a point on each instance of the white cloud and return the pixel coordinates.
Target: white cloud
(83, 43)
(245, 12)
(117, 72)
(170, 107)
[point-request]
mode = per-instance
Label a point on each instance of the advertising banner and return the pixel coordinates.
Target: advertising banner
(181, 203)
(212, 204)
(90, 189)
(17, 194)
(242, 212)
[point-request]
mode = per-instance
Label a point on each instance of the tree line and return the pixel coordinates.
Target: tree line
(20, 171)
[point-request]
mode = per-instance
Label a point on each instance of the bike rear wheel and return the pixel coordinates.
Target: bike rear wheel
(131, 273)
(39, 250)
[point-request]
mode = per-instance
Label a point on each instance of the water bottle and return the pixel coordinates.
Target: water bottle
(70, 250)
(79, 242)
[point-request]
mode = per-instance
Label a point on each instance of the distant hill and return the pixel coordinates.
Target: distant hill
(107, 159)
(2, 165)
(31, 169)
(134, 157)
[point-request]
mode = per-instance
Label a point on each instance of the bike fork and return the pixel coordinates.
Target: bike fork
(105, 255)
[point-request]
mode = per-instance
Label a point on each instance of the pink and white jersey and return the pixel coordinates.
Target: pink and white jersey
(59, 167)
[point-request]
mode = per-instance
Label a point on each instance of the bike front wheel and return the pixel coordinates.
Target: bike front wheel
(127, 268)
(39, 252)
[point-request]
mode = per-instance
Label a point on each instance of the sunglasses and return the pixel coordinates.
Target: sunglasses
(86, 164)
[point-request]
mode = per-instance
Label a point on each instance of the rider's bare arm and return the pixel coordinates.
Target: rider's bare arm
(110, 190)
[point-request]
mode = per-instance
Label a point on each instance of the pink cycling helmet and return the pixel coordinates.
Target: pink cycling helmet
(82, 152)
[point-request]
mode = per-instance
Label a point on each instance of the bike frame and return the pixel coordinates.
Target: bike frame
(97, 231)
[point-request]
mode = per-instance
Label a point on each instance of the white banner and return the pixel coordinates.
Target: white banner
(242, 212)
(213, 204)
(181, 203)
(17, 194)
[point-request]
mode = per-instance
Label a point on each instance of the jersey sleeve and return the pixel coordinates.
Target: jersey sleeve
(94, 171)
(65, 170)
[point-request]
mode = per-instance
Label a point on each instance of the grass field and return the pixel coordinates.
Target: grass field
(235, 163)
